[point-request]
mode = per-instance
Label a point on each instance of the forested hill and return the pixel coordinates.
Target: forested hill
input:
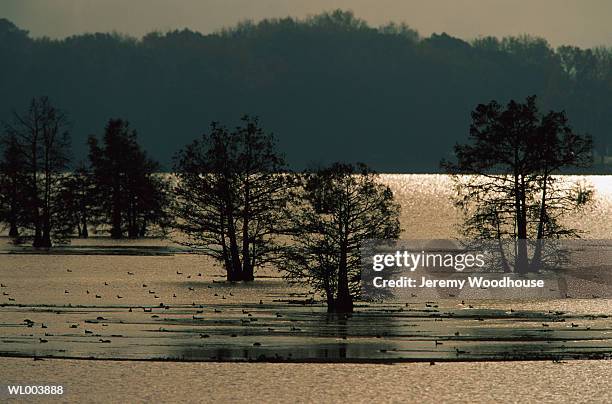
(330, 87)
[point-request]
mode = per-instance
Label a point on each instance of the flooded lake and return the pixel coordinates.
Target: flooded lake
(150, 300)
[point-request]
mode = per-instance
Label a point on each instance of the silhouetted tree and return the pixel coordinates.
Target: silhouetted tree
(511, 191)
(231, 194)
(131, 194)
(12, 181)
(41, 139)
(342, 206)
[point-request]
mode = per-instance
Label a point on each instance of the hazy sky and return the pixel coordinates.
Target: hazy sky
(579, 22)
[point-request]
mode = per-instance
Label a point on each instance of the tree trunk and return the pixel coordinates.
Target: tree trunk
(234, 251)
(116, 231)
(537, 255)
(14, 230)
(344, 300)
(521, 262)
(329, 296)
(84, 232)
(247, 269)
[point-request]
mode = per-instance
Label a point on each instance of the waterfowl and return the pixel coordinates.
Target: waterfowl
(42, 341)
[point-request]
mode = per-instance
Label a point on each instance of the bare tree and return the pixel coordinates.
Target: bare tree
(12, 178)
(506, 177)
(43, 142)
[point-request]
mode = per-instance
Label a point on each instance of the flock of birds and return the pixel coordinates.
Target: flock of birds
(100, 294)
(106, 291)
(145, 308)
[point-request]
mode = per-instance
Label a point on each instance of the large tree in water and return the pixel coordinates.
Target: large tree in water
(231, 194)
(506, 177)
(341, 207)
(40, 141)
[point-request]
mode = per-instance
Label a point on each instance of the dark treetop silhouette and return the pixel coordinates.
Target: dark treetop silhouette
(331, 86)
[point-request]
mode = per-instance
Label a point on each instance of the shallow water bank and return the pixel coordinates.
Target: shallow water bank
(475, 382)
